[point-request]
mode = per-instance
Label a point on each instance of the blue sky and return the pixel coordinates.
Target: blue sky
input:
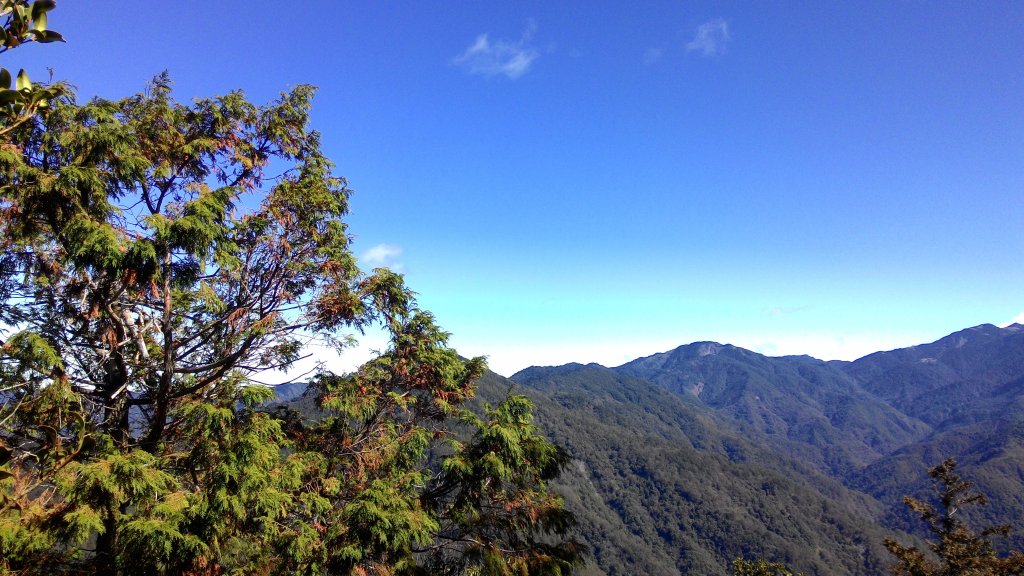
(597, 181)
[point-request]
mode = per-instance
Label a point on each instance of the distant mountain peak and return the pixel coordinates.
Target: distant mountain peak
(702, 349)
(963, 337)
(708, 349)
(534, 371)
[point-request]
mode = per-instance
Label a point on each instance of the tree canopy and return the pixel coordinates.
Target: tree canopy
(158, 258)
(957, 550)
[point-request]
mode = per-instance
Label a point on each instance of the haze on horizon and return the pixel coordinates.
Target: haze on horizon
(594, 182)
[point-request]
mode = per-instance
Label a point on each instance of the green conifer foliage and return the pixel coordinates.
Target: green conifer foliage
(157, 258)
(957, 550)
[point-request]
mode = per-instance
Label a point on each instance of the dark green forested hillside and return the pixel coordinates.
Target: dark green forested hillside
(684, 460)
(992, 456)
(804, 407)
(969, 375)
(969, 386)
(660, 488)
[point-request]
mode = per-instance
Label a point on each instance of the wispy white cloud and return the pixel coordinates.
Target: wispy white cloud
(711, 38)
(826, 346)
(382, 255)
(652, 55)
(1018, 319)
(780, 311)
(491, 58)
(507, 357)
(318, 357)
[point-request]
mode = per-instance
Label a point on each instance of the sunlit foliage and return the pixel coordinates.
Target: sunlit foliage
(157, 259)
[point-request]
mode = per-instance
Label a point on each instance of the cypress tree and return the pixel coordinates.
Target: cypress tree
(157, 259)
(956, 549)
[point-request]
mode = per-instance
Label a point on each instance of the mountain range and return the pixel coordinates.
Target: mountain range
(687, 459)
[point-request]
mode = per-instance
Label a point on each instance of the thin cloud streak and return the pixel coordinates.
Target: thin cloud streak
(511, 59)
(711, 38)
(1018, 319)
(779, 311)
(382, 256)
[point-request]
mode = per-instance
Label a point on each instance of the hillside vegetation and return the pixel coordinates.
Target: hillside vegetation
(687, 459)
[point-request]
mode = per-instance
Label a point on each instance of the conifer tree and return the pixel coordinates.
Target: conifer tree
(157, 258)
(742, 567)
(957, 550)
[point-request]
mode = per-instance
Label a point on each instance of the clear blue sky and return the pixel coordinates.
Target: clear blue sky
(596, 181)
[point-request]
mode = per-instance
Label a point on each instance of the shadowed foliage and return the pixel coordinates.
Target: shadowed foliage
(955, 549)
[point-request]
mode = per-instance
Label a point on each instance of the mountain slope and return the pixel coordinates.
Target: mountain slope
(875, 424)
(980, 368)
(687, 459)
(664, 490)
(804, 407)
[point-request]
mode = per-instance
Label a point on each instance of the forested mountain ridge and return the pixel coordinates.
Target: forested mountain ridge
(801, 405)
(659, 487)
(685, 460)
(970, 387)
(943, 383)
(674, 451)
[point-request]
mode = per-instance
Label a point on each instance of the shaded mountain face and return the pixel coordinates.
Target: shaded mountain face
(660, 487)
(991, 455)
(800, 405)
(290, 391)
(972, 374)
(969, 386)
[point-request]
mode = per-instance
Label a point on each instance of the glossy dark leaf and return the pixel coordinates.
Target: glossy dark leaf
(10, 96)
(38, 22)
(23, 82)
(47, 36)
(41, 7)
